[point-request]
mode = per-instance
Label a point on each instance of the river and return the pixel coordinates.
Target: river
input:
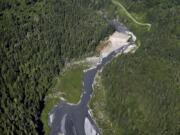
(69, 119)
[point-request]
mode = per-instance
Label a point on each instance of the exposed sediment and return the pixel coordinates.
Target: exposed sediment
(76, 118)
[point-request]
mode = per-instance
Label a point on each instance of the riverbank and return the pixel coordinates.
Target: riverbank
(117, 43)
(139, 93)
(99, 96)
(67, 88)
(98, 106)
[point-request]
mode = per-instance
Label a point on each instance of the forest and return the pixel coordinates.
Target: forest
(142, 90)
(37, 38)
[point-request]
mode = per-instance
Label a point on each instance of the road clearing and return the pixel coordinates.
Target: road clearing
(130, 16)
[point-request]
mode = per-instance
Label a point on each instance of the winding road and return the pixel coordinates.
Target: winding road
(130, 16)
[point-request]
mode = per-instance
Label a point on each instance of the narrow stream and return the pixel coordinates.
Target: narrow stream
(67, 119)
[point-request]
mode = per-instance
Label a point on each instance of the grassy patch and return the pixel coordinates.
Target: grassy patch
(68, 86)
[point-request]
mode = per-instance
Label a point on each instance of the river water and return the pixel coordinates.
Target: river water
(69, 119)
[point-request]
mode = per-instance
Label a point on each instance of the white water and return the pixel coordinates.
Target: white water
(89, 128)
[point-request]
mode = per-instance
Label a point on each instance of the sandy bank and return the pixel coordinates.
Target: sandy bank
(115, 41)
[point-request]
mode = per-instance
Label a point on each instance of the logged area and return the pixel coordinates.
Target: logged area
(140, 93)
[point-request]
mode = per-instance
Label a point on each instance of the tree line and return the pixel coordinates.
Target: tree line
(37, 38)
(142, 89)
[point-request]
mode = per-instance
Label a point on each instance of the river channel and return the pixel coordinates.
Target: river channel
(68, 119)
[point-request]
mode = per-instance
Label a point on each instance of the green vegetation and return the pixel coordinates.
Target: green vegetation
(70, 83)
(98, 104)
(141, 91)
(37, 38)
(130, 16)
(69, 86)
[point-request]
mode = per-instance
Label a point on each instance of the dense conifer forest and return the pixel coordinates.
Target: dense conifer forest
(142, 90)
(37, 38)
